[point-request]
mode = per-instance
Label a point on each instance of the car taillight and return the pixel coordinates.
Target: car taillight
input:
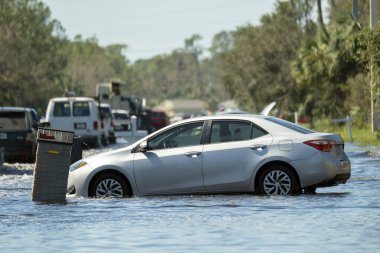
(95, 125)
(321, 145)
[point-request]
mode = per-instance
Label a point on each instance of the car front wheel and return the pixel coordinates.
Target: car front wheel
(109, 186)
(277, 180)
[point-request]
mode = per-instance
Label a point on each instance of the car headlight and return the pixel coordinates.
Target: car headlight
(77, 165)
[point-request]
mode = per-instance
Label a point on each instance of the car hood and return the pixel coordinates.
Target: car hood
(108, 154)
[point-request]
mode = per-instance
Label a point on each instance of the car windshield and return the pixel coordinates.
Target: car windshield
(12, 121)
(290, 125)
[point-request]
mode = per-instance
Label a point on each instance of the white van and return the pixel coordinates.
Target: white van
(77, 114)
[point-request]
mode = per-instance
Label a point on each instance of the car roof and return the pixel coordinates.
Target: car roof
(14, 109)
(64, 99)
(227, 117)
(232, 111)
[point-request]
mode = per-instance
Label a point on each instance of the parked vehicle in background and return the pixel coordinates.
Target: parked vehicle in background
(106, 122)
(77, 114)
(18, 133)
(36, 119)
(218, 154)
(121, 120)
(158, 120)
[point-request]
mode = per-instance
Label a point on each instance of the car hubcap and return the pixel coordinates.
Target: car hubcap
(277, 183)
(109, 188)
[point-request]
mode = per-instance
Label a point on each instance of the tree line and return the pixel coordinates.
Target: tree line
(307, 63)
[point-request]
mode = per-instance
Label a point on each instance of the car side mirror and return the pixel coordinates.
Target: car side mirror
(142, 147)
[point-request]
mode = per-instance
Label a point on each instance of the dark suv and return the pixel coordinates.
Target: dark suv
(18, 131)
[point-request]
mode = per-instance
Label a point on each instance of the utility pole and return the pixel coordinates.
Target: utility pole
(375, 103)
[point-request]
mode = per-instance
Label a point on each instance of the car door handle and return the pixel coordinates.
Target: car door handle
(258, 147)
(193, 153)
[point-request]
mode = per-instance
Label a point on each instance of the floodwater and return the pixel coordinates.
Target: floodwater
(345, 218)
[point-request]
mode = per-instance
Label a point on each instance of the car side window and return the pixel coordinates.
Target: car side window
(180, 136)
(257, 132)
(226, 131)
(61, 109)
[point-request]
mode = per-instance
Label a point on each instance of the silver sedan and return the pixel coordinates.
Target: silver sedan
(217, 154)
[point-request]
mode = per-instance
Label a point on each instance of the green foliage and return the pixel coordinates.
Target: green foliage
(256, 69)
(318, 70)
(31, 60)
(180, 74)
(89, 64)
(361, 135)
(322, 69)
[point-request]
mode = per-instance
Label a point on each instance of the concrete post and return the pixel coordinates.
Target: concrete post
(133, 125)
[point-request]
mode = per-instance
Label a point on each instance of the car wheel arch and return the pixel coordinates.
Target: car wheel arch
(273, 163)
(110, 171)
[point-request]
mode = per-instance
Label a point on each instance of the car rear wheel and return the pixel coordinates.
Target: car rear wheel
(277, 180)
(109, 185)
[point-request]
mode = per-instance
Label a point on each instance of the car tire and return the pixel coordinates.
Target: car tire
(277, 180)
(109, 185)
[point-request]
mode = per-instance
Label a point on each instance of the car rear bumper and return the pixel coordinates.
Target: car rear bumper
(322, 170)
(338, 179)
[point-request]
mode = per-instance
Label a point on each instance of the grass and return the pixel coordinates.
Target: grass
(361, 136)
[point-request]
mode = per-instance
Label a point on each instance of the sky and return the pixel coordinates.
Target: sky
(152, 27)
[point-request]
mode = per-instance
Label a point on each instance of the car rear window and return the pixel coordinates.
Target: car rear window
(61, 109)
(12, 121)
(120, 116)
(290, 125)
(158, 114)
(81, 109)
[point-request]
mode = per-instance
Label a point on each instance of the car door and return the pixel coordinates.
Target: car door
(235, 149)
(173, 161)
(60, 115)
